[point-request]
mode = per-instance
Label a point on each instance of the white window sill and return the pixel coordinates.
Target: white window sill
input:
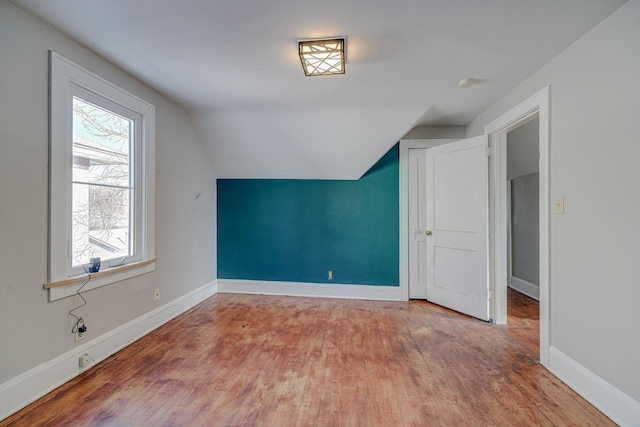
(61, 290)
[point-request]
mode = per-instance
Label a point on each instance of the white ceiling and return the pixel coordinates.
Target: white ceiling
(233, 65)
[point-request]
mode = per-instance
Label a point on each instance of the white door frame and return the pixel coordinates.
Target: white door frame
(537, 105)
(405, 146)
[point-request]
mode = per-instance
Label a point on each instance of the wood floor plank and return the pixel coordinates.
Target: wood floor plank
(259, 360)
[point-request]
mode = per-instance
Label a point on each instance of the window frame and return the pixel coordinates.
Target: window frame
(136, 163)
(67, 80)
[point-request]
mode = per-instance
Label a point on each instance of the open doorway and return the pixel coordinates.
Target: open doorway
(444, 222)
(537, 106)
(523, 225)
(523, 232)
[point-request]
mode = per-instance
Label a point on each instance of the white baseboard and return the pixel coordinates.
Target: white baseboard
(29, 386)
(527, 288)
(615, 404)
(323, 290)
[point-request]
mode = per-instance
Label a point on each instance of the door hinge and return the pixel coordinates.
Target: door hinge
(489, 152)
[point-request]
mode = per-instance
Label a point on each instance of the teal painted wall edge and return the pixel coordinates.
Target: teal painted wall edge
(297, 230)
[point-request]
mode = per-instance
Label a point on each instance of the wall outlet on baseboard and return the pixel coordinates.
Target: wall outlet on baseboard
(85, 360)
(330, 275)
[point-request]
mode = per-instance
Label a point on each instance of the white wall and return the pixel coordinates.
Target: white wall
(436, 132)
(522, 149)
(32, 330)
(595, 150)
(525, 230)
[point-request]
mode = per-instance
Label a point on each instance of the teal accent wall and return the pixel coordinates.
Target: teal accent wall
(297, 230)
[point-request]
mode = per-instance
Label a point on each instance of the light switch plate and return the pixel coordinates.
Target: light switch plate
(559, 205)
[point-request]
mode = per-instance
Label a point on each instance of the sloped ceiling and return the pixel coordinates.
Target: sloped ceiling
(233, 65)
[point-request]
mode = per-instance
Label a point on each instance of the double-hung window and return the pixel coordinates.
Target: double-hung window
(101, 179)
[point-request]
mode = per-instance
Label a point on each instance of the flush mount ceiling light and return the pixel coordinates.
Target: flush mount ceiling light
(322, 57)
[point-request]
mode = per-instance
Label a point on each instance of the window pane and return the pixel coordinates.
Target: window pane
(101, 223)
(101, 145)
(102, 186)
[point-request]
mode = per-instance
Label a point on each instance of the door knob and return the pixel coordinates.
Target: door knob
(428, 233)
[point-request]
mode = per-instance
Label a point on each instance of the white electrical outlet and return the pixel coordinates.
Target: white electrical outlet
(156, 294)
(79, 336)
(85, 360)
(330, 275)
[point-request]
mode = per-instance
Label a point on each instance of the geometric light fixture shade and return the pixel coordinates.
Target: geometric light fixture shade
(322, 57)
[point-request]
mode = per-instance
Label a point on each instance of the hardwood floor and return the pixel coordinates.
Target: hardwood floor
(285, 361)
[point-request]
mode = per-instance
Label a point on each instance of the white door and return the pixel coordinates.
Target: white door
(417, 199)
(457, 228)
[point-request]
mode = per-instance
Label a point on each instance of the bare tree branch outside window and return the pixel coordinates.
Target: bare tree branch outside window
(102, 191)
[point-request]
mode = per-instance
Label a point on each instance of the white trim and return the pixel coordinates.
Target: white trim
(613, 402)
(65, 79)
(29, 386)
(59, 292)
(405, 145)
(322, 290)
(529, 289)
(538, 104)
